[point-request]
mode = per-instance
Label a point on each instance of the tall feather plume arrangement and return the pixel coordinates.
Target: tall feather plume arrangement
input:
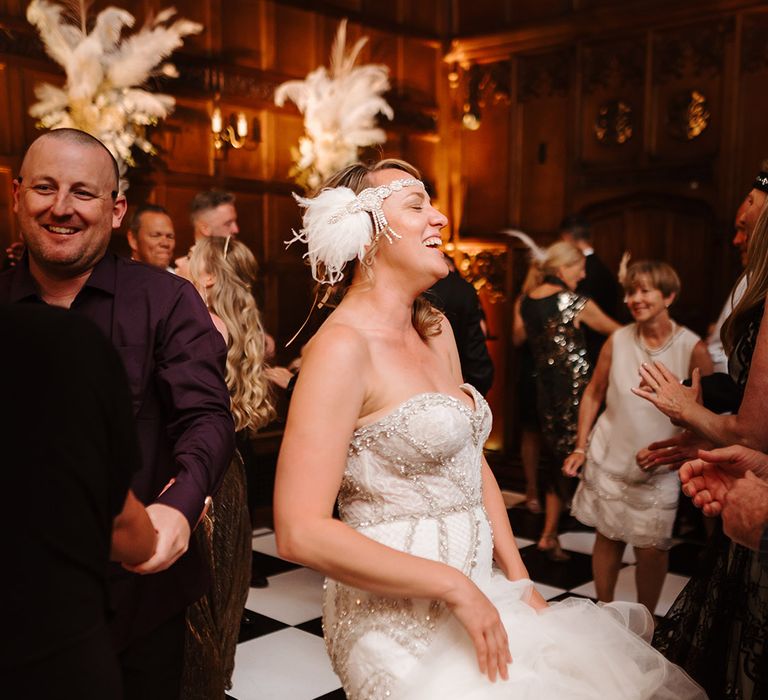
(106, 73)
(340, 105)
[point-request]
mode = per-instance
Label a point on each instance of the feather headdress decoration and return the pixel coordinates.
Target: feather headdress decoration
(538, 254)
(340, 106)
(339, 225)
(332, 244)
(103, 94)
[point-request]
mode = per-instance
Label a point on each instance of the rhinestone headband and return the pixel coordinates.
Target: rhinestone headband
(371, 200)
(761, 182)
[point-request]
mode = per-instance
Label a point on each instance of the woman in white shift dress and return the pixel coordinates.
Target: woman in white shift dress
(625, 503)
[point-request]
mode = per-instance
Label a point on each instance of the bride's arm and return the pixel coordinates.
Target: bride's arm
(327, 400)
(505, 551)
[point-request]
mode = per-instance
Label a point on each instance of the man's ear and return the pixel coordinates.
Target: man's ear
(16, 182)
(131, 236)
(119, 208)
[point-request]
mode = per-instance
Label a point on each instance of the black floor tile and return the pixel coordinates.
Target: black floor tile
(255, 625)
(312, 626)
(568, 594)
(525, 524)
(684, 558)
(334, 695)
(566, 574)
(269, 566)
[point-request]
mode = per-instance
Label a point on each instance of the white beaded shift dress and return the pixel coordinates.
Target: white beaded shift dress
(622, 501)
(413, 482)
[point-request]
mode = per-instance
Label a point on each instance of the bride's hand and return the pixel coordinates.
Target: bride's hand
(481, 620)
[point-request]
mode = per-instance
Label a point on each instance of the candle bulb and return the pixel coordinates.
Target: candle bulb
(216, 121)
(242, 125)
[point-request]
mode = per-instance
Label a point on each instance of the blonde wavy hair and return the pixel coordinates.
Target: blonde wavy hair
(425, 318)
(756, 274)
(233, 268)
(560, 254)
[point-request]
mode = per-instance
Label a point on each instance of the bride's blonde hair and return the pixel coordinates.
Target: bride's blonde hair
(233, 268)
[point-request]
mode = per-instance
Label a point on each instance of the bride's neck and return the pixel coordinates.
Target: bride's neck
(387, 307)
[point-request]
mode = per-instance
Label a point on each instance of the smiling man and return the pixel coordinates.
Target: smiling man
(67, 202)
(151, 236)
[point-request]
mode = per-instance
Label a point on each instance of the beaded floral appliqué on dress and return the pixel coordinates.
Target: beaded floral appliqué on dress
(413, 483)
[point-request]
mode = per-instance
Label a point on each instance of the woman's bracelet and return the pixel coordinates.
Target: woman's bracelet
(579, 451)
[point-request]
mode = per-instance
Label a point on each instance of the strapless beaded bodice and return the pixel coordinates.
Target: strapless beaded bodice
(421, 460)
(412, 482)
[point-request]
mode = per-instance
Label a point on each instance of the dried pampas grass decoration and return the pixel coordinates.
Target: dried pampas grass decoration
(340, 106)
(103, 94)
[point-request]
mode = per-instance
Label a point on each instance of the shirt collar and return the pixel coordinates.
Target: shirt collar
(104, 274)
(24, 287)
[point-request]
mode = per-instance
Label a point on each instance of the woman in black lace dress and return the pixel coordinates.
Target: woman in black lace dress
(717, 629)
(553, 313)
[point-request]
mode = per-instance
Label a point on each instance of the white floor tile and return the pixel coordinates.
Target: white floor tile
(523, 542)
(626, 590)
(265, 543)
(261, 531)
(548, 592)
(584, 542)
(285, 665)
(673, 585)
(512, 498)
(292, 597)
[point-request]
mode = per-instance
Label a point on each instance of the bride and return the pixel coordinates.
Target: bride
(379, 419)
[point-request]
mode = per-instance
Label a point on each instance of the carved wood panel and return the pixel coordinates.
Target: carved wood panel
(613, 101)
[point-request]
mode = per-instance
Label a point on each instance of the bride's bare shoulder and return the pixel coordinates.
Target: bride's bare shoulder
(338, 342)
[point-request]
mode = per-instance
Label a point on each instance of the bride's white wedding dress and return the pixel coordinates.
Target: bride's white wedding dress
(413, 482)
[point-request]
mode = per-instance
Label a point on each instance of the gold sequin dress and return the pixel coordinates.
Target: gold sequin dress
(562, 373)
(413, 482)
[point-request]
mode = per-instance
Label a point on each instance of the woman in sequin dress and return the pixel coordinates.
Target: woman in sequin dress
(553, 313)
(224, 270)
(626, 504)
(380, 419)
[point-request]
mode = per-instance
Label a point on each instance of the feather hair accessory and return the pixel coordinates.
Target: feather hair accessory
(338, 228)
(333, 244)
(538, 254)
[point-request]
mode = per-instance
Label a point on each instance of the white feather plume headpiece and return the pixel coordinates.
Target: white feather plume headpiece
(538, 254)
(103, 94)
(338, 226)
(340, 105)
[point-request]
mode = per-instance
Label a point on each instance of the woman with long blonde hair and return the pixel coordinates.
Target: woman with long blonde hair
(224, 271)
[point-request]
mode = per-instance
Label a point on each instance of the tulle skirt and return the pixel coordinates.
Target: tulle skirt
(574, 650)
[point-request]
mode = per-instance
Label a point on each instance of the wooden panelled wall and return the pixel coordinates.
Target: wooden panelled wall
(549, 75)
(649, 118)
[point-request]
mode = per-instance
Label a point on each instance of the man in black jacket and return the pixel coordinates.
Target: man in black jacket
(458, 300)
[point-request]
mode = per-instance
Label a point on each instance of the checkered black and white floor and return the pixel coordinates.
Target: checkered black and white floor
(281, 654)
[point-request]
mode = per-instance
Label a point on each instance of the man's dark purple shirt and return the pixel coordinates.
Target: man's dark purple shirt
(175, 360)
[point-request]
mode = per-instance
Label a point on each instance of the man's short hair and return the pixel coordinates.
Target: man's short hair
(135, 222)
(207, 200)
(577, 226)
(83, 138)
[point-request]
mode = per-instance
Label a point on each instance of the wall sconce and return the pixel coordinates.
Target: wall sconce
(233, 132)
